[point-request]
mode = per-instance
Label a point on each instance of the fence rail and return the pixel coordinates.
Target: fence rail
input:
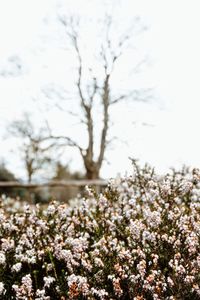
(55, 183)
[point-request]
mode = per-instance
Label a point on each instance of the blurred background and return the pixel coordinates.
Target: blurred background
(84, 85)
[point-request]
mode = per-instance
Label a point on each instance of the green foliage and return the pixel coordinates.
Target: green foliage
(63, 172)
(6, 175)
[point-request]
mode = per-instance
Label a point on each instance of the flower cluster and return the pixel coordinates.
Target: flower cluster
(139, 239)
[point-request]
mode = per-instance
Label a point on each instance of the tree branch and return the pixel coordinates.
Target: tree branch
(69, 142)
(106, 103)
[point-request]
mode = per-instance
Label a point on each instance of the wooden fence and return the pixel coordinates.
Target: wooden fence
(56, 189)
(55, 183)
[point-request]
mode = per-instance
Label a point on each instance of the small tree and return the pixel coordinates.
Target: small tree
(35, 146)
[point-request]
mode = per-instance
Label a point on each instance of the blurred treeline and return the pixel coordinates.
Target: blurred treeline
(43, 194)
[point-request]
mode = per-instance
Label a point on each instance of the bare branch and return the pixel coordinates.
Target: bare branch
(48, 126)
(118, 99)
(105, 102)
(74, 39)
(73, 114)
(142, 94)
(94, 88)
(86, 105)
(73, 35)
(69, 142)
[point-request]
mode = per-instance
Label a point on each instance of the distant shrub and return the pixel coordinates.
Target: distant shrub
(63, 172)
(6, 175)
(137, 240)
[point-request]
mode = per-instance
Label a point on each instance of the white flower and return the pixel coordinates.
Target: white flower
(40, 295)
(2, 289)
(50, 210)
(132, 201)
(27, 283)
(17, 267)
(48, 281)
(2, 258)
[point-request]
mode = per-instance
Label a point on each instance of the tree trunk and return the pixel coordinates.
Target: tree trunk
(92, 172)
(29, 176)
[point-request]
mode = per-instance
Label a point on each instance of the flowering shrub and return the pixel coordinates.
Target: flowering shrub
(139, 239)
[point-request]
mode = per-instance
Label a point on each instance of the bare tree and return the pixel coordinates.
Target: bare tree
(93, 89)
(35, 145)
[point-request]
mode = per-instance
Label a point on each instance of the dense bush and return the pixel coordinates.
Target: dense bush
(138, 240)
(6, 175)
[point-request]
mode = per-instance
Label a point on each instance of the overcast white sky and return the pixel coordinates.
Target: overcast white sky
(29, 34)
